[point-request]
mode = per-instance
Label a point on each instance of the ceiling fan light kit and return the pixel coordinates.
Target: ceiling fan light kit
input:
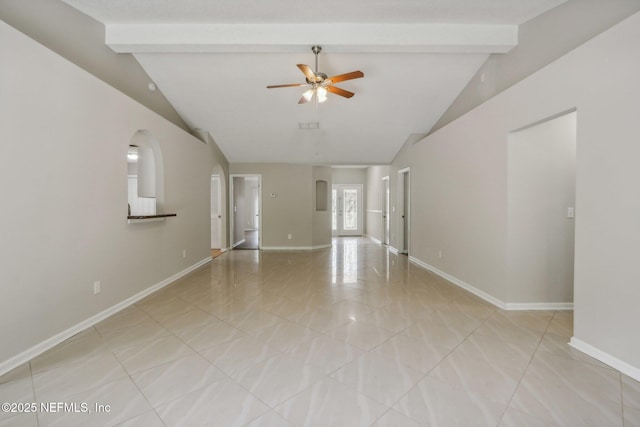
(320, 84)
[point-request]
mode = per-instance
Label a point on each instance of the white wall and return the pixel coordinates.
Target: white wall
(459, 187)
(63, 179)
(541, 188)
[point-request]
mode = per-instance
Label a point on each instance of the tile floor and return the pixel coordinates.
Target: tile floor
(351, 336)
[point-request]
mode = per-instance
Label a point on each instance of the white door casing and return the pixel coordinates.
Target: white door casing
(347, 210)
(216, 214)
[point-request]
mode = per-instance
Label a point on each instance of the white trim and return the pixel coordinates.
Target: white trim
(239, 243)
(340, 231)
(605, 358)
(510, 306)
(386, 203)
(51, 342)
(393, 250)
(294, 248)
(464, 285)
(231, 203)
(291, 37)
(374, 211)
(402, 191)
(515, 306)
(143, 220)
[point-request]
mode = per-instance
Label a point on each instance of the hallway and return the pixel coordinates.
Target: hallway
(347, 336)
(250, 240)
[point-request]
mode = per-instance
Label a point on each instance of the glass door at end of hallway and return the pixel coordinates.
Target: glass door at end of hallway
(346, 206)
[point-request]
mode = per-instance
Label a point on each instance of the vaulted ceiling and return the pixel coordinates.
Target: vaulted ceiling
(214, 59)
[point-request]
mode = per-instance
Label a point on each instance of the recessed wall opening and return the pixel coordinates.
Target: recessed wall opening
(322, 195)
(245, 197)
(541, 207)
(145, 186)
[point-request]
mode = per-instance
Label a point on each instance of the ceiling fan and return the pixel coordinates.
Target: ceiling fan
(319, 84)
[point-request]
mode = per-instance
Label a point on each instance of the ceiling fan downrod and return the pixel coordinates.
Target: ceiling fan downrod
(316, 50)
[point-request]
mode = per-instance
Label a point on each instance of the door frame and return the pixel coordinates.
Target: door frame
(360, 189)
(232, 205)
(386, 203)
(217, 177)
(404, 210)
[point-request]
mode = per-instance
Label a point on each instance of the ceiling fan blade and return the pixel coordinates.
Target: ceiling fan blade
(346, 76)
(289, 85)
(338, 91)
(308, 72)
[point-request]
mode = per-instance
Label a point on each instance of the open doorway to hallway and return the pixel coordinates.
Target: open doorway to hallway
(385, 211)
(245, 211)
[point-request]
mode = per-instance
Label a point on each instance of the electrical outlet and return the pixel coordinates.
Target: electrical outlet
(97, 287)
(184, 253)
(289, 236)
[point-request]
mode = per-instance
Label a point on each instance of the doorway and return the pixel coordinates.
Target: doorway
(246, 205)
(404, 210)
(216, 212)
(385, 211)
(346, 210)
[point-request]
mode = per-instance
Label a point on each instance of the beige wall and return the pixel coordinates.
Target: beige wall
(349, 176)
(63, 176)
(288, 212)
(541, 177)
(459, 188)
(374, 197)
(80, 39)
(321, 219)
(541, 41)
(221, 168)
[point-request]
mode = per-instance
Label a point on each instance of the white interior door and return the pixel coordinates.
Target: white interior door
(404, 206)
(347, 210)
(385, 210)
(216, 215)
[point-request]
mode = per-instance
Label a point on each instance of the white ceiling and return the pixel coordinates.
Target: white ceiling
(214, 59)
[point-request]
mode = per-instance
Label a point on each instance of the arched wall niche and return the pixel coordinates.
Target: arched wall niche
(148, 168)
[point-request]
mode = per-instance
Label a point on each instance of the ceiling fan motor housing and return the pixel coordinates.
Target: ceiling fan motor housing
(320, 77)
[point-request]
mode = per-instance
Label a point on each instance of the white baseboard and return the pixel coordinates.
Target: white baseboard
(464, 285)
(393, 250)
(294, 248)
(558, 306)
(605, 358)
(239, 243)
(490, 298)
(374, 239)
(51, 342)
